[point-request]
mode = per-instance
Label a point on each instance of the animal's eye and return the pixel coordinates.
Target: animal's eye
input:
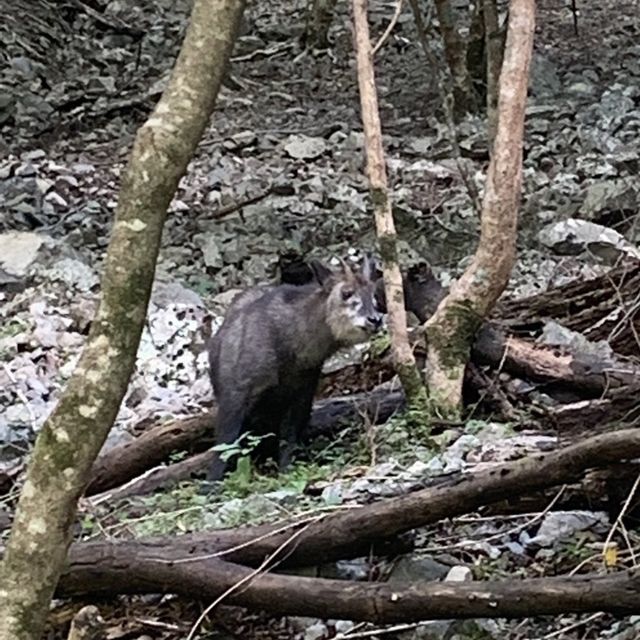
(347, 293)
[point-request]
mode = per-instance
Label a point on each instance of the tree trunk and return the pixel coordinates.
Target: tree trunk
(476, 53)
(319, 19)
(450, 331)
(404, 362)
(494, 51)
(74, 433)
(456, 56)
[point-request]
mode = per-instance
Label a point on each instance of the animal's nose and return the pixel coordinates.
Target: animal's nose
(375, 321)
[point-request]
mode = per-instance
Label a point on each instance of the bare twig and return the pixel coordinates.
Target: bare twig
(389, 29)
(618, 523)
(268, 563)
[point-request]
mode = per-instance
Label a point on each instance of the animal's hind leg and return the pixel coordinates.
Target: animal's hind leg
(228, 430)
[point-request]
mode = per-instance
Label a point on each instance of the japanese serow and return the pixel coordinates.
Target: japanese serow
(422, 292)
(267, 356)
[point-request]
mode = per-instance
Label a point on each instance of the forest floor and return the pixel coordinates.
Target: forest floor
(281, 167)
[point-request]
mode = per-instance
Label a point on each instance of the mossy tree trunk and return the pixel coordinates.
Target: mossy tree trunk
(74, 433)
(451, 329)
(404, 362)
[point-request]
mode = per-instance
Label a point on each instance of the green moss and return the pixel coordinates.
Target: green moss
(388, 248)
(379, 198)
(453, 337)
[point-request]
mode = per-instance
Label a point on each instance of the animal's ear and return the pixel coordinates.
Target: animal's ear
(371, 270)
(321, 272)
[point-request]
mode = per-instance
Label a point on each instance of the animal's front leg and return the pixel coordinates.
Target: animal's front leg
(296, 420)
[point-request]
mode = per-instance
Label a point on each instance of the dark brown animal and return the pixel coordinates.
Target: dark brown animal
(267, 356)
(422, 292)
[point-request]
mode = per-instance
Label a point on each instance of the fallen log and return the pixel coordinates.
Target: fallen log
(602, 308)
(619, 406)
(380, 603)
(131, 459)
(555, 366)
(351, 534)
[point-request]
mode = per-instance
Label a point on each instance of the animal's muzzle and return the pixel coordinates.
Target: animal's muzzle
(374, 322)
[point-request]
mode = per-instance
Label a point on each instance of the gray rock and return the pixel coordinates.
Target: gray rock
(211, 251)
(544, 79)
(303, 147)
(316, 631)
(167, 293)
(572, 236)
(73, 273)
(555, 334)
(19, 250)
(459, 573)
(609, 197)
(561, 525)
(411, 569)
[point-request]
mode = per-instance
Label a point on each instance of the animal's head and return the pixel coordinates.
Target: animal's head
(352, 314)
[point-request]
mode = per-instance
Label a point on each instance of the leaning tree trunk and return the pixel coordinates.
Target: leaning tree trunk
(450, 331)
(403, 360)
(74, 433)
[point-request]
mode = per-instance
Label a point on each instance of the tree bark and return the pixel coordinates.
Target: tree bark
(403, 360)
(380, 603)
(74, 433)
(450, 331)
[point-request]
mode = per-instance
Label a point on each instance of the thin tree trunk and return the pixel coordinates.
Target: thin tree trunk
(456, 57)
(319, 19)
(404, 362)
(493, 48)
(74, 433)
(450, 331)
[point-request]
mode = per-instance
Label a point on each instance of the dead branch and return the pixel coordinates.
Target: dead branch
(132, 459)
(351, 534)
(128, 460)
(379, 603)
